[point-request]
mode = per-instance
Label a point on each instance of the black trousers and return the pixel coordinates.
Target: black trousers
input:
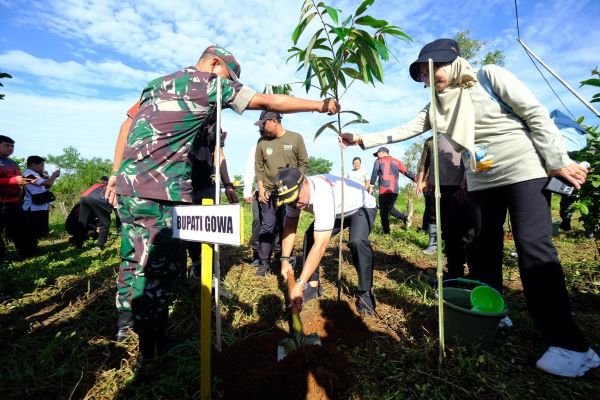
(271, 227)
(255, 226)
(360, 224)
(429, 213)
(541, 273)
(386, 207)
(15, 225)
(90, 206)
(456, 223)
(39, 223)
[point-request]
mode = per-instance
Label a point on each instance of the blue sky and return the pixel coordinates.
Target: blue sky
(78, 65)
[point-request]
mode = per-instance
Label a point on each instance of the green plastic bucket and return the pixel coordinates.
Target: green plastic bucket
(466, 326)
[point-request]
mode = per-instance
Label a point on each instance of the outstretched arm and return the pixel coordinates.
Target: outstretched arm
(289, 104)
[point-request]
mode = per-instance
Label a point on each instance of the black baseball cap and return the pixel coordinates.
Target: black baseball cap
(267, 115)
(287, 186)
(382, 148)
(440, 51)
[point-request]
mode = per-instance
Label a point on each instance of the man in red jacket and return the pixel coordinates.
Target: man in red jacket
(12, 217)
(387, 169)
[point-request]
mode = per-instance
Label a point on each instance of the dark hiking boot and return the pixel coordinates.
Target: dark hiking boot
(312, 292)
(263, 269)
(195, 270)
(565, 225)
(365, 303)
(432, 246)
(124, 326)
(123, 334)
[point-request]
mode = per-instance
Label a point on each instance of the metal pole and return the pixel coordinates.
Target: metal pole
(438, 219)
(217, 265)
(565, 84)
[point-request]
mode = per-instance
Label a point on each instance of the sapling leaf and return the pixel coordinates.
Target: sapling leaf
(329, 125)
(332, 13)
(591, 82)
(347, 20)
(364, 5)
(370, 21)
(355, 121)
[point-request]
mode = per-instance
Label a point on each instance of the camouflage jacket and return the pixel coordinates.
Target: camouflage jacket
(174, 110)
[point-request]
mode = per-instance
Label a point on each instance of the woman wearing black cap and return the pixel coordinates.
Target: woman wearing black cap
(509, 157)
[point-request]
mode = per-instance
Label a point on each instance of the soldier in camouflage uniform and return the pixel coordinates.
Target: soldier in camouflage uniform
(152, 174)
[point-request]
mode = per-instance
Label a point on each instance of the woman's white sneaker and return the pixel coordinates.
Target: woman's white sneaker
(568, 363)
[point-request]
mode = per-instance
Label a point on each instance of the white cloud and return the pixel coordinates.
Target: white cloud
(108, 74)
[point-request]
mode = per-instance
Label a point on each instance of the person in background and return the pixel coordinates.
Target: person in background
(454, 209)
(250, 194)
(202, 158)
(509, 157)
(38, 213)
(429, 224)
(387, 170)
(277, 149)
(93, 205)
(13, 220)
(359, 174)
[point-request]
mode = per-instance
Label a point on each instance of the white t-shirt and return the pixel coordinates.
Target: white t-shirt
(325, 201)
(361, 175)
(34, 188)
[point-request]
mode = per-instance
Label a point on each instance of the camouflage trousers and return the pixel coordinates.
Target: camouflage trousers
(151, 259)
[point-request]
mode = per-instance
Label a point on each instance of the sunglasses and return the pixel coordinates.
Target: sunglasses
(423, 77)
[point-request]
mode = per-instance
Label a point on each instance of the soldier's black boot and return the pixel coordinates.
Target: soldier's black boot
(124, 325)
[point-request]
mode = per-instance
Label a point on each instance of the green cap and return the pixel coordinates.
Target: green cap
(232, 65)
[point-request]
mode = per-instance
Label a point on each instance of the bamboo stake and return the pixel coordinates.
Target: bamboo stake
(438, 219)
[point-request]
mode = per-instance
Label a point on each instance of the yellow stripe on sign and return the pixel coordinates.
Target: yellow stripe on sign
(205, 315)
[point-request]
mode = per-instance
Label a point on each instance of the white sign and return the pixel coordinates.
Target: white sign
(220, 224)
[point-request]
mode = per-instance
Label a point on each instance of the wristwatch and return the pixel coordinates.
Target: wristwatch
(302, 283)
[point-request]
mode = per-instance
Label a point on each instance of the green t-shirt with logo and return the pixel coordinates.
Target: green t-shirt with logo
(274, 154)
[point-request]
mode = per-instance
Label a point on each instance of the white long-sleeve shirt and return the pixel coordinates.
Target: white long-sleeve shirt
(519, 146)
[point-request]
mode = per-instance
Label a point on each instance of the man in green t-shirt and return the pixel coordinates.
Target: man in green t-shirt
(276, 150)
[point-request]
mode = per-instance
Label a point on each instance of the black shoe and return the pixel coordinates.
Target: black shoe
(123, 334)
(262, 269)
(312, 292)
(565, 225)
(255, 262)
(195, 270)
(365, 303)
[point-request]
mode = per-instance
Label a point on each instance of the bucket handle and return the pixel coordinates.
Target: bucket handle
(465, 280)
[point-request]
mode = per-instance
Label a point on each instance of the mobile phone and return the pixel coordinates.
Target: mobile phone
(31, 176)
(559, 186)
